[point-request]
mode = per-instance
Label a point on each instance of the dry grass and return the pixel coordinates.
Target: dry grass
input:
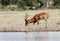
(14, 20)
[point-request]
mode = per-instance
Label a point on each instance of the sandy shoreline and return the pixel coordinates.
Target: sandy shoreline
(14, 21)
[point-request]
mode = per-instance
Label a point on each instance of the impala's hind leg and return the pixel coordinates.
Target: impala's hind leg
(46, 22)
(45, 19)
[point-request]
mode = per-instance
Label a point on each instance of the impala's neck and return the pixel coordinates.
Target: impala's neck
(30, 20)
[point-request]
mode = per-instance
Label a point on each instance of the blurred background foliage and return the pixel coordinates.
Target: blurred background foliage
(29, 4)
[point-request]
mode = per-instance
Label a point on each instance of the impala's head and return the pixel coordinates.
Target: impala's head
(26, 21)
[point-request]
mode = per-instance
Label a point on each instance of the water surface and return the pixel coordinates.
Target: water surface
(30, 36)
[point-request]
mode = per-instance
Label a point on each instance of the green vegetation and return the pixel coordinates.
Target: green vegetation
(29, 4)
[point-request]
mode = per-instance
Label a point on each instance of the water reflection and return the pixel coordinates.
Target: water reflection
(30, 36)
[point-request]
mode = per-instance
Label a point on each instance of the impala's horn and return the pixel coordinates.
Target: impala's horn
(26, 16)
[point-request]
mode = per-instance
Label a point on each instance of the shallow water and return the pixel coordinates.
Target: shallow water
(30, 36)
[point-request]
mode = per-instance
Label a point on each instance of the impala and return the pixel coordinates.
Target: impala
(36, 18)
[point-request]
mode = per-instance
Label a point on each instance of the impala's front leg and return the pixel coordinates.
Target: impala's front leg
(38, 23)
